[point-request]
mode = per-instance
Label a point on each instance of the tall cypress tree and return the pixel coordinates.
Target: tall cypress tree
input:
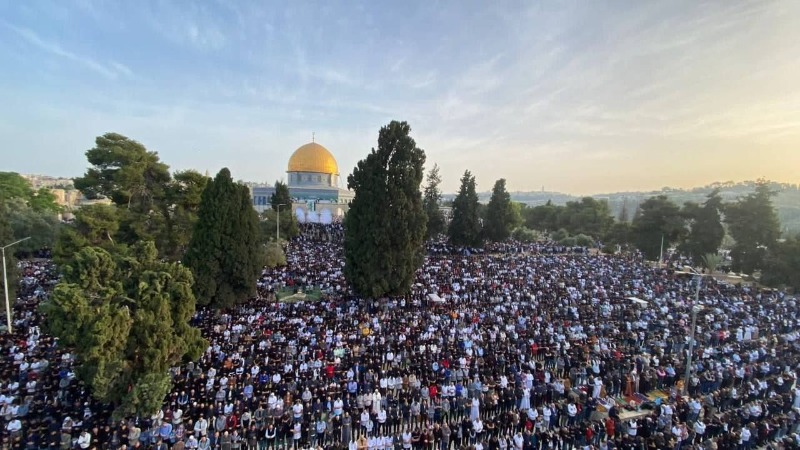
(385, 225)
(281, 196)
(224, 253)
(501, 217)
(465, 227)
(430, 201)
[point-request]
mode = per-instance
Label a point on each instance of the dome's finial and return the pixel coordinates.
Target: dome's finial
(312, 136)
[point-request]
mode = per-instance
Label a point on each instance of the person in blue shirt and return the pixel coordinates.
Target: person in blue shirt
(248, 391)
(165, 431)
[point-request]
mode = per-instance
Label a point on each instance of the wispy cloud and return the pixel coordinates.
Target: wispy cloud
(193, 24)
(122, 68)
(110, 70)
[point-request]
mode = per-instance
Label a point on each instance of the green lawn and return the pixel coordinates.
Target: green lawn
(288, 295)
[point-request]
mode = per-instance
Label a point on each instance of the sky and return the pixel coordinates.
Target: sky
(579, 97)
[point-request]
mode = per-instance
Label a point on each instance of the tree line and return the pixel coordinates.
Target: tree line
(695, 230)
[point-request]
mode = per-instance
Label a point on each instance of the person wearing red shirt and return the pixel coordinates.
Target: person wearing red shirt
(233, 421)
(610, 427)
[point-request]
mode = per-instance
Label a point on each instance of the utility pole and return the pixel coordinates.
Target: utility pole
(695, 308)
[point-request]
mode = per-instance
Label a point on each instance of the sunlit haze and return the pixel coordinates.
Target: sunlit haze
(579, 97)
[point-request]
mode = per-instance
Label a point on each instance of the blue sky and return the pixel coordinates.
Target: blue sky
(575, 96)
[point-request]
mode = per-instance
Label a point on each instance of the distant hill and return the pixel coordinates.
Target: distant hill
(787, 201)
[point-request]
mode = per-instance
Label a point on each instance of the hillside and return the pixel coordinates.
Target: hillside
(787, 201)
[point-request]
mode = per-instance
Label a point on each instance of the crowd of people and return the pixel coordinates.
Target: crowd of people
(514, 347)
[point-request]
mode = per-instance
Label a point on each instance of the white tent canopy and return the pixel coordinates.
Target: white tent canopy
(435, 298)
(638, 301)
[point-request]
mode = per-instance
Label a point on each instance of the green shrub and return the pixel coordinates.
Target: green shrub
(524, 234)
(559, 235)
(584, 240)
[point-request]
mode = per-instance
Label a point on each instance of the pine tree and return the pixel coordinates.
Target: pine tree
(385, 224)
(658, 218)
(501, 216)
(782, 265)
(151, 204)
(224, 254)
(706, 231)
(754, 225)
(431, 199)
(465, 226)
(127, 318)
(123, 171)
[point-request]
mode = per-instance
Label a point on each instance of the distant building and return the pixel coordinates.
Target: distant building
(40, 181)
(67, 197)
(313, 185)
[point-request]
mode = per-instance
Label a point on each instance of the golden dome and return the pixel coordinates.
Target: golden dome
(315, 158)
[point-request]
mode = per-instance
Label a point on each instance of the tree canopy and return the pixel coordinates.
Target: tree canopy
(587, 216)
(281, 196)
(782, 264)
(7, 237)
(179, 208)
(385, 226)
(225, 254)
(465, 226)
(431, 200)
(14, 187)
(124, 171)
(148, 203)
(502, 216)
(754, 226)
(658, 218)
(274, 256)
(41, 225)
(127, 318)
(269, 224)
(95, 226)
(542, 217)
(705, 227)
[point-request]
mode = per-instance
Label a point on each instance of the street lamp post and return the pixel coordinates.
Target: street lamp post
(695, 308)
(5, 284)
